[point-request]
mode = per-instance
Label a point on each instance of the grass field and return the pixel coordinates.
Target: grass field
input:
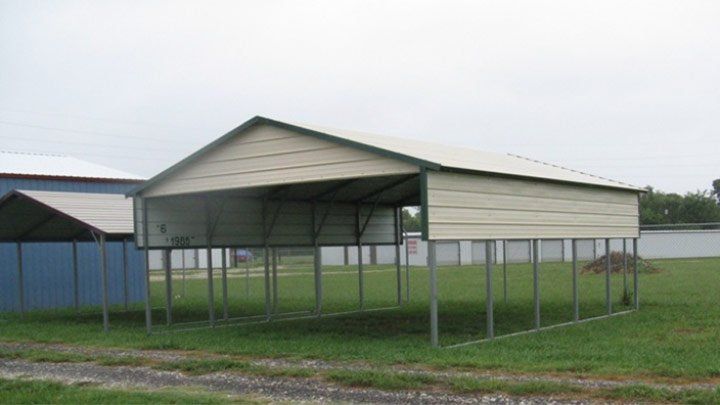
(44, 392)
(675, 334)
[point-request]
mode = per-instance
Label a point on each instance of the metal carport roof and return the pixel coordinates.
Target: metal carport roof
(47, 216)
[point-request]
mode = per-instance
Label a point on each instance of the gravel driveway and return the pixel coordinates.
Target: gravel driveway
(274, 389)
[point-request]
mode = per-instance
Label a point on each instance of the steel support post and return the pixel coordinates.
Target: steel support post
(76, 277)
(318, 280)
(247, 272)
(432, 264)
(275, 297)
(184, 285)
(398, 265)
(167, 264)
(361, 276)
(266, 263)
(223, 262)
(504, 259)
(407, 269)
(21, 280)
(576, 301)
(625, 268)
(636, 296)
(608, 269)
(211, 289)
(104, 280)
(489, 310)
(126, 286)
(536, 281)
(146, 249)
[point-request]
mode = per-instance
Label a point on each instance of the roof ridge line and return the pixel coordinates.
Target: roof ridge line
(568, 169)
(18, 152)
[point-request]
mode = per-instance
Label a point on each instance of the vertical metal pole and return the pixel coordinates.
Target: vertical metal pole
(223, 261)
(361, 276)
(211, 290)
(184, 286)
(608, 268)
(489, 289)
(318, 279)
(275, 298)
(167, 263)
(576, 301)
(126, 286)
(625, 268)
(407, 268)
(210, 281)
(536, 281)
(247, 272)
(148, 308)
(504, 259)
(636, 297)
(266, 263)
(432, 264)
(76, 277)
(21, 281)
(104, 280)
(398, 271)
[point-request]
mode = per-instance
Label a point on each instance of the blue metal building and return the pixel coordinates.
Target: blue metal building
(47, 267)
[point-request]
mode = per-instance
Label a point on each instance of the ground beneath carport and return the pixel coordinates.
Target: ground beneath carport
(271, 388)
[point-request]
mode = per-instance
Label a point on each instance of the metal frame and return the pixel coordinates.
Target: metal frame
(535, 261)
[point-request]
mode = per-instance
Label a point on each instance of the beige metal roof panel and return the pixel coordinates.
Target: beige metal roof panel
(470, 159)
(111, 214)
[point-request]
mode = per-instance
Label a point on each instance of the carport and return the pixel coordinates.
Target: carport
(49, 216)
(269, 183)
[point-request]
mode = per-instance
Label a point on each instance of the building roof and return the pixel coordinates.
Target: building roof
(430, 155)
(29, 215)
(468, 159)
(42, 165)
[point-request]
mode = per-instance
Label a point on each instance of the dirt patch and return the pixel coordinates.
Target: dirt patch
(598, 265)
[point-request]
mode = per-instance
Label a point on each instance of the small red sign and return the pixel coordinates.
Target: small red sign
(412, 246)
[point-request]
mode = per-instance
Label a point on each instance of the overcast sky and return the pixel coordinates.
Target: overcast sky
(626, 90)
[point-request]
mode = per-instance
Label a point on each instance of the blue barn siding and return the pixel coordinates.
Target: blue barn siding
(47, 267)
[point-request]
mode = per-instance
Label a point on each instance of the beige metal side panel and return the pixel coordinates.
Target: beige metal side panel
(467, 206)
(266, 155)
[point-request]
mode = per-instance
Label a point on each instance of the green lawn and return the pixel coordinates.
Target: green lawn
(675, 334)
(44, 392)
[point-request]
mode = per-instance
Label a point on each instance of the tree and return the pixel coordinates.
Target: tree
(657, 208)
(411, 222)
(716, 190)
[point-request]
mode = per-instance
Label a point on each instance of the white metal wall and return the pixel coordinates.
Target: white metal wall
(266, 154)
(471, 206)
